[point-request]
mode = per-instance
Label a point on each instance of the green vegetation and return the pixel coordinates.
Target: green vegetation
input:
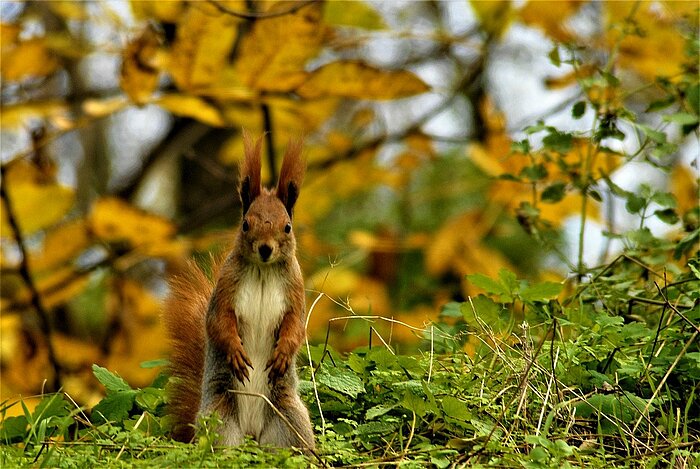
(608, 374)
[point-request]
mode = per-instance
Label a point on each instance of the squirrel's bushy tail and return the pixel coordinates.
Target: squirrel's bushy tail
(184, 316)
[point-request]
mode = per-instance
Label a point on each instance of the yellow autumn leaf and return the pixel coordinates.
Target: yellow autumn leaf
(8, 34)
(353, 79)
(202, 45)
(27, 59)
(684, 185)
(19, 115)
(10, 331)
(68, 9)
(102, 107)
(114, 220)
(191, 106)
(60, 246)
(495, 16)
(659, 49)
(37, 203)
(273, 55)
(139, 72)
(550, 17)
(169, 11)
(59, 286)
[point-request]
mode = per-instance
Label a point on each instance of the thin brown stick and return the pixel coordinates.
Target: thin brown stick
(36, 302)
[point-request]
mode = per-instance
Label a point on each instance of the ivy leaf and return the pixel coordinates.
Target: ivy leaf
(341, 380)
(111, 381)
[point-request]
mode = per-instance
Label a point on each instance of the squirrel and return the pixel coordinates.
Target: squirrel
(237, 335)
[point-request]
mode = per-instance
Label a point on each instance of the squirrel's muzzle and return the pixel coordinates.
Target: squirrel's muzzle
(265, 252)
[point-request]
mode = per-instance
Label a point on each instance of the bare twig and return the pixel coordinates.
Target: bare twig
(36, 302)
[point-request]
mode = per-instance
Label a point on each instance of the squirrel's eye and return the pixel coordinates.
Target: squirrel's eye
(288, 228)
(245, 226)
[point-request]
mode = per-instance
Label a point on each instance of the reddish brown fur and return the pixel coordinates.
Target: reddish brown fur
(184, 317)
(291, 174)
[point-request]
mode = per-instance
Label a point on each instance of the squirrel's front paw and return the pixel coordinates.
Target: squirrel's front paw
(278, 364)
(239, 362)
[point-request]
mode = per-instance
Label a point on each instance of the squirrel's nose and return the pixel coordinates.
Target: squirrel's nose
(265, 251)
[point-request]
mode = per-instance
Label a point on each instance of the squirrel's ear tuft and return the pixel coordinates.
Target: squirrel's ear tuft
(249, 187)
(291, 175)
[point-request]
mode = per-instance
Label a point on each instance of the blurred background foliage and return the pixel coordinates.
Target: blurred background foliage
(121, 138)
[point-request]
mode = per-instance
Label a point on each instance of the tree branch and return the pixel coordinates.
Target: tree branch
(37, 304)
(269, 138)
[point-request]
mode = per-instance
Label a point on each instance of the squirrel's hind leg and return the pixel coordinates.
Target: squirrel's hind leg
(277, 432)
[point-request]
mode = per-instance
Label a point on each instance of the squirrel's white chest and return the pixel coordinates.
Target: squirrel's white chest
(260, 304)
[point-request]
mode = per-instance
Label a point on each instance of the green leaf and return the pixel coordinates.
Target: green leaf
(653, 134)
(668, 216)
(535, 172)
(523, 146)
(115, 407)
(635, 203)
(13, 429)
(692, 94)
(660, 104)
(414, 403)
(111, 381)
(554, 192)
(541, 291)
(487, 284)
(682, 118)
(578, 110)
(508, 279)
(455, 408)
(451, 310)
(560, 142)
(375, 428)
(341, 380)
(154, 363)
(378, 411)
(665, 199)
(554, 56)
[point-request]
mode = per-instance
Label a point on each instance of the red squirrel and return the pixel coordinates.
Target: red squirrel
(241, 333)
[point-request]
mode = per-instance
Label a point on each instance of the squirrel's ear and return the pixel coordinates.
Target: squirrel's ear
(291, 175)
(249, 187)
